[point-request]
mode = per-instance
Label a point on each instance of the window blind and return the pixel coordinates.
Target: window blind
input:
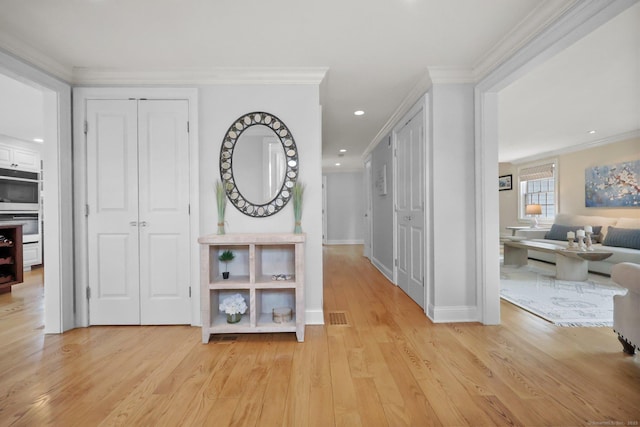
(537, 172)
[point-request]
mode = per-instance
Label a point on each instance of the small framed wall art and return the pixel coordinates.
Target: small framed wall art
(504, 182)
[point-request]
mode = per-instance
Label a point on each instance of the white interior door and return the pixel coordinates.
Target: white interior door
(410, 208)
(112, 182)
(368, 208)
(138, 224)
(163, 162)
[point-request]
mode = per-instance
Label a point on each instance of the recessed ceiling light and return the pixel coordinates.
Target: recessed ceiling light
(592, 132)
(358, 113)
(38, 140)
(342, 150)
(337, 164)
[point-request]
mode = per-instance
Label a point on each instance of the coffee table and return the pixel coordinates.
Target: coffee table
(570, 264)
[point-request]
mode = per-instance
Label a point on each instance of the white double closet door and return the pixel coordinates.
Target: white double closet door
(138, 212)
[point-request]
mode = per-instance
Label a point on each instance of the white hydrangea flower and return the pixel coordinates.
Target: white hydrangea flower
(234, 304)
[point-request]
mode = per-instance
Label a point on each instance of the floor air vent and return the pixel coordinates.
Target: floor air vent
(223, 338)
(338, 318)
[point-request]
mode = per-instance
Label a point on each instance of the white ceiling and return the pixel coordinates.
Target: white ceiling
(592, 85)
(21, 108)
(375, 51)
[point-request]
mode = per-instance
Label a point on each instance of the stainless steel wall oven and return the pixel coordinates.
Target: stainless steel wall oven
(19, 190)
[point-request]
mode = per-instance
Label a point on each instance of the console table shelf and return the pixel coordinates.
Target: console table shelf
(258, 258)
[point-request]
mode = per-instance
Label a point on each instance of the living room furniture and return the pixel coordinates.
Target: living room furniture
(10, 257)
(619, 253)
(515, 228)
(570, 264)
(268, 271)
(626, 308)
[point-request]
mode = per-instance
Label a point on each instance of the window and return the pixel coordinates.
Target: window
(538, 187)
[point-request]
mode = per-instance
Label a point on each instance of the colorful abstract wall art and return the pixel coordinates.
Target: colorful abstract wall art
(614, 186)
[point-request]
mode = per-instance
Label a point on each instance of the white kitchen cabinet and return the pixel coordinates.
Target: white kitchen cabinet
(19, 158)
(31, 255)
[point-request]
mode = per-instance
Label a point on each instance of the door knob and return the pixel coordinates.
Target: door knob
(143, 223)
(133, 223)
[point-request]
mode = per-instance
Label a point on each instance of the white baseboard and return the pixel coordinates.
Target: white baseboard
(384, 270)
(345, 242)
(453, 314)
(314, 317)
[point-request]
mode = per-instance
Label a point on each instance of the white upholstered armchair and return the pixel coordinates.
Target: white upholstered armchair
(626, 308)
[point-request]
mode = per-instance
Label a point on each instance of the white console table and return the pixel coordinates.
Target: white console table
(258, 258)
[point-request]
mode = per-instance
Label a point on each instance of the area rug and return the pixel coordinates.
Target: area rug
(562, 302)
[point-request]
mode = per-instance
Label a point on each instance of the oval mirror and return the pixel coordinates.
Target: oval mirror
(258, 164)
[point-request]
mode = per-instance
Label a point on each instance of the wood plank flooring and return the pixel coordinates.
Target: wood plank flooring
(388, 365)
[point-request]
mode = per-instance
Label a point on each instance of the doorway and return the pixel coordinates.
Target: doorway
(56, 156)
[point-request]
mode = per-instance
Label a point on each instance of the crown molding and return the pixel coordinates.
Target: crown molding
(202, 75)
(418, 90)
(26, 53)
(451, 75)
(545, 14)
(625, 136)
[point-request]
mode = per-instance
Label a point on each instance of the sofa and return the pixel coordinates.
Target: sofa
(620, 236)
(626, 308)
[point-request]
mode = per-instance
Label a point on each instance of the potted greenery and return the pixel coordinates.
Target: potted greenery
(297, 193)
(221, 201)
(226, 257)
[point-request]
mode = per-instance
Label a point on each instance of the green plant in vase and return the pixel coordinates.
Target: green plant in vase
(226, 257)
(221, 201)
(297, 193)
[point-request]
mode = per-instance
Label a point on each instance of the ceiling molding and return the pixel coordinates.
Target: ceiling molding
(26, 53)
(533, 24)
(449, 75)
(420, 88)
(205, 75)
(580, 147)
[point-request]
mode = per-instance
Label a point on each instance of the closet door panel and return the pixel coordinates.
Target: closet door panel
(112, 175)
(164, 212)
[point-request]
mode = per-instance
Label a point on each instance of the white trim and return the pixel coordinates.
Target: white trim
(26, 53)
(452, 314)
(574, 148)
(451, 75)
(204, 76)
(324, 210)
(547, 12)
(314, 317)
(345, 242)
(383, 269)
(579, 20)
(81, 95)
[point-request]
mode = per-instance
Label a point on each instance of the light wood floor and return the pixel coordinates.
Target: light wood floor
(387, 366)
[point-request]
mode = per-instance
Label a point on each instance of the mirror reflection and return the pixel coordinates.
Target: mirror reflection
(259, 164)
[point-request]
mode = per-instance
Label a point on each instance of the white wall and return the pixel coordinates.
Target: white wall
(382, 210)
(298, 107)
(453, 297)
(345, 208)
